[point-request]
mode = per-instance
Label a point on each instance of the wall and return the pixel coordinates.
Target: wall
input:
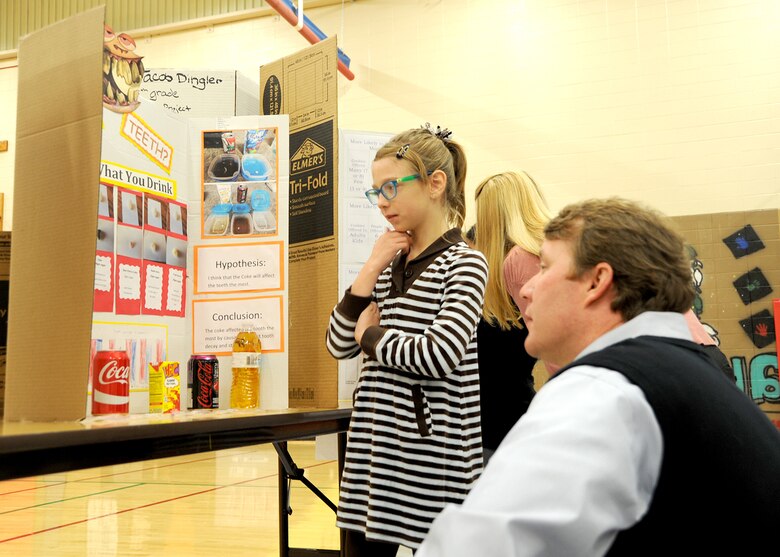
(670, 102)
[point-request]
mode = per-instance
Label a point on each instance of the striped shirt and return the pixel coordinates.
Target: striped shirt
(414, 441)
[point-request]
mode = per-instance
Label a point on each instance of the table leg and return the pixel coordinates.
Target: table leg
(289, 471)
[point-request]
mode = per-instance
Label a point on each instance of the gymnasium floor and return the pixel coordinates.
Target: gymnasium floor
(221, 504)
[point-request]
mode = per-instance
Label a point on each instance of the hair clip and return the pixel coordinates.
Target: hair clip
(402, 151)
(441, 133)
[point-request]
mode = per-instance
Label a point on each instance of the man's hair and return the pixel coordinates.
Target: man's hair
(648, 257)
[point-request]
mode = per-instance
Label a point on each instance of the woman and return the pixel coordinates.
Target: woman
(511, 214)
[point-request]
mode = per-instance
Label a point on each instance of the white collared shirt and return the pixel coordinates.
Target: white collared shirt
(579, 466)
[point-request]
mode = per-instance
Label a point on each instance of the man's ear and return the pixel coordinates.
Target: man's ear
(437, 184)
(600, 281)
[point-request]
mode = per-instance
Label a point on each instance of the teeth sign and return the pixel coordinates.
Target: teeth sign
(135, 130)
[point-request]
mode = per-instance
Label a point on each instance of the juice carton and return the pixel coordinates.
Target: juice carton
(164, 387)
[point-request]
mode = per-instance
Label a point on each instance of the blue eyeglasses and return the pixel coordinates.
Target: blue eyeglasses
(390, 188)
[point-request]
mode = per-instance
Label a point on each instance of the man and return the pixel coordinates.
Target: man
(639, 445)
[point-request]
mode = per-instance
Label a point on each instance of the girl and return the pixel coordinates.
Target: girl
(414, 442)
(511, 214)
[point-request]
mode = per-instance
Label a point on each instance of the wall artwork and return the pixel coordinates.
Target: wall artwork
(735, 267)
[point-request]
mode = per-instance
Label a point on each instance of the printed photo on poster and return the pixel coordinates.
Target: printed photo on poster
(239, 183)
(129, 251)
(105, 258)
(164, 256)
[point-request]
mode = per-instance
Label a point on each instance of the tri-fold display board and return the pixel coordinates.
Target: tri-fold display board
(136, 229)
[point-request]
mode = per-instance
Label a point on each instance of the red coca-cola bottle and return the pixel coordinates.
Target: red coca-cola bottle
(110, 382)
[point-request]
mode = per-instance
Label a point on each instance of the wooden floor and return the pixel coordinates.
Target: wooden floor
(221, 504)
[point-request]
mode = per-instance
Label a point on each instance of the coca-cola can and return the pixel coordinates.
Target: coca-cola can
(203, 381)
(241, 190)
(110, 382)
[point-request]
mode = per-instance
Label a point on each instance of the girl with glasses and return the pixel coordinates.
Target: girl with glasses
(414, 442)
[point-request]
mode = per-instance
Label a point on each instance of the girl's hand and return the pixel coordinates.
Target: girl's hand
(369, 317)
(387, 246)
(385, 250)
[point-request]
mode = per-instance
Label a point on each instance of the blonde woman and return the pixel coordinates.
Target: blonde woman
(511, 215)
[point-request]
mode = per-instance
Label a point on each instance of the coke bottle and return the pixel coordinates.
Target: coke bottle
(245, 389)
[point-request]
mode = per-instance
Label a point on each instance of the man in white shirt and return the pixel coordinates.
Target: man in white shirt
(639, 440)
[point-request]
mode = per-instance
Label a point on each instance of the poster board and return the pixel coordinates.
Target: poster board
(304, 85)
(360, 223)
(50, 312)
(141, 255)
(201, 93)
(124, 176)
(239, 259)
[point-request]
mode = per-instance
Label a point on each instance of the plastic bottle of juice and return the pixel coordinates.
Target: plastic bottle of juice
(245, 390)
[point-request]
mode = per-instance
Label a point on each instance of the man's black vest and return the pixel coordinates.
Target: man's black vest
(719, 488)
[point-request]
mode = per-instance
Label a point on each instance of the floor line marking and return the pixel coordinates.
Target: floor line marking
(70, 498)
(142, 469)
(152, 504)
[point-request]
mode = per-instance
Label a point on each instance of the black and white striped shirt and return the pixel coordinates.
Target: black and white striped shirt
(414, 442)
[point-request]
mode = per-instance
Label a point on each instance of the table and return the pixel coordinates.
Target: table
(31, 449)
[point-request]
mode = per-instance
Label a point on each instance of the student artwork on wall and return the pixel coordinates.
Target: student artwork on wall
(752, 286)
(760, 327)
(744, 242)
(735, 273)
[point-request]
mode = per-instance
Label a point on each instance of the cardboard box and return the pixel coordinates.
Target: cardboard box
(304, 85)
(200, 93)
(736, 270)
(57, 156)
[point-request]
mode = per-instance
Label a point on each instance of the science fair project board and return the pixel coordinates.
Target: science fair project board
(110, 261)
(360, 223)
